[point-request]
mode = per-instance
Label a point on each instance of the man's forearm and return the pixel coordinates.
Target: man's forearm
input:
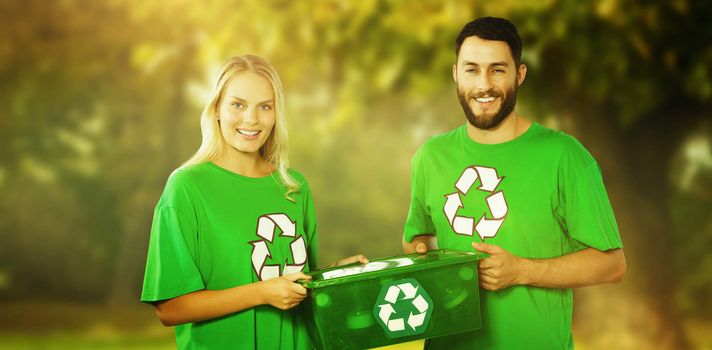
(580, 269)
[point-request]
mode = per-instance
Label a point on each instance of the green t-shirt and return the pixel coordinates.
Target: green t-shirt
(540, 195)
(215, 229)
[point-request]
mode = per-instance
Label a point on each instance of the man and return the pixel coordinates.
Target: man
(530, 197)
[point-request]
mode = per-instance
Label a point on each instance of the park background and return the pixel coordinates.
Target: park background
(100, 101)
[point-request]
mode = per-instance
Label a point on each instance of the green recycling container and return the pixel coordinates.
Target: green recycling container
(393, 300)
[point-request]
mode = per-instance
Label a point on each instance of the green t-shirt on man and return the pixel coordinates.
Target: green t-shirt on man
(538, 196)
(214, 229)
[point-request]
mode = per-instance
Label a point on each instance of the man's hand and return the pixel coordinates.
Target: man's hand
(501, 269)
(583, 268)
(420, 244)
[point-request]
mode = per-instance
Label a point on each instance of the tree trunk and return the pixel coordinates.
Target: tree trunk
(639, 313)
(148, 182)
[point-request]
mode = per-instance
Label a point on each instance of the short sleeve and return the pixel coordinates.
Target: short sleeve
(588, 214)
(171, 268)
(418, 221)
(310, 227)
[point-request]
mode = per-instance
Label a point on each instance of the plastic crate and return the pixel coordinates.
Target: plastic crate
(393, 300)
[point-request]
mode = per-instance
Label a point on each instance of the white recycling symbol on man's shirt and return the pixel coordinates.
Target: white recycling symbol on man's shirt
(414, 305)
(489, 180)
(266, 225)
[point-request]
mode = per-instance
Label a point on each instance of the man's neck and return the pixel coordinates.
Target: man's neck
(510, 128)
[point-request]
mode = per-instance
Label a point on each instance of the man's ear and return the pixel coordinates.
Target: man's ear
(521, 74)
(454, 72)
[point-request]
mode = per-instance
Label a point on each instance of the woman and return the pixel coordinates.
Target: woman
(235, 227)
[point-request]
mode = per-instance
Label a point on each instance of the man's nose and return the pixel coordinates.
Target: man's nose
(483, 82)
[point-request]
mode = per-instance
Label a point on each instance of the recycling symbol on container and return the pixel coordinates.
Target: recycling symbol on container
(266, 225)
(489, 180)
(403, 308)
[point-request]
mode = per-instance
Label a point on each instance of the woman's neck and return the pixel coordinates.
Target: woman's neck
(245, 164)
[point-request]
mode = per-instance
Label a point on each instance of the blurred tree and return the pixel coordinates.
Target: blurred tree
(101, 100)
(628, 81)
(87, 111)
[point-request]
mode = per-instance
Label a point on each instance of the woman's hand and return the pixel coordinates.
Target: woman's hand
(282, 292)
(420, 244)
(349, 260)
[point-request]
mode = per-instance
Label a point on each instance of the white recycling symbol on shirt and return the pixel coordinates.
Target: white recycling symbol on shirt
(489, 180)
(266, 225)
(403, 308)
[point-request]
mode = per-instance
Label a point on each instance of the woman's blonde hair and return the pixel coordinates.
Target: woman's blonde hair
(276, 148)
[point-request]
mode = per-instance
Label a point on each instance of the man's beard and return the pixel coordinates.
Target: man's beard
(481, 121)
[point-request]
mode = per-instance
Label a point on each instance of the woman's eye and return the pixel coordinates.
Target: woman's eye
(238, 105)
(265, 108)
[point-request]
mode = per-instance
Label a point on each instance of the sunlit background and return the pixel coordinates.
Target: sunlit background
(100, 101)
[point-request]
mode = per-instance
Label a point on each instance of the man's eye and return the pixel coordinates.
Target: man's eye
(470, 70)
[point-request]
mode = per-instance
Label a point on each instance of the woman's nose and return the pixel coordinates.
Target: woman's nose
(250, 116)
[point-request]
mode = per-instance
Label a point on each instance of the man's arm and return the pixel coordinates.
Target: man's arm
(580, 269)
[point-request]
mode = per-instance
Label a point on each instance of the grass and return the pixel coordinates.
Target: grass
(49, 325)
(59, 326)
(43, 325)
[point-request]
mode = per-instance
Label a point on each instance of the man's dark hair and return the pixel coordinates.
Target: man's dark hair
(492, 28)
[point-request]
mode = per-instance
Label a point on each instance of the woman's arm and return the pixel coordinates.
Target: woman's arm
(349, 260)
(280, 292)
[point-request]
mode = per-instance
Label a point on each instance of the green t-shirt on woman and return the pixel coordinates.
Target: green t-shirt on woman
(538, 196)
(214, 229)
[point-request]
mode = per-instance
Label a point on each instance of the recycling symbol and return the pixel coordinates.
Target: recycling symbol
(489, 180)
(403, 308)
(266, 225)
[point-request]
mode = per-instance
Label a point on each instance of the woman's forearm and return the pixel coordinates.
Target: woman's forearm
(208, 304)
